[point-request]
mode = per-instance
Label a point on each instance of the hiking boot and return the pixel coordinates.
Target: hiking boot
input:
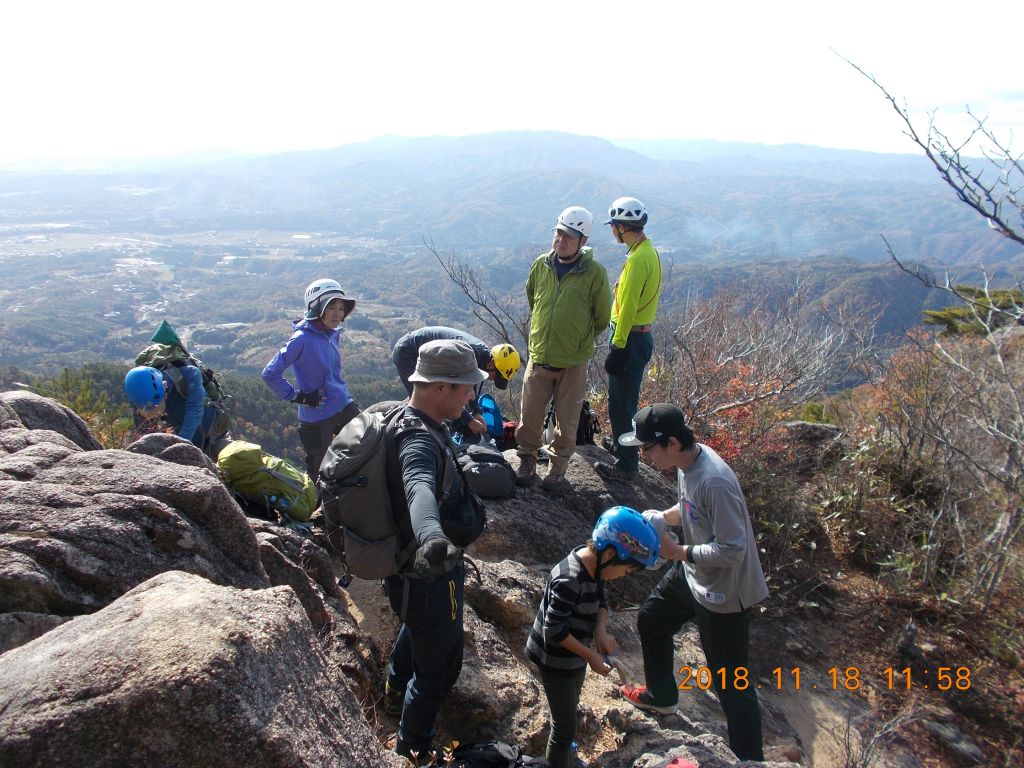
(613, 472)
(393, 701)
(421, 757)
(557, 484)
(526, 475)
(638, 696)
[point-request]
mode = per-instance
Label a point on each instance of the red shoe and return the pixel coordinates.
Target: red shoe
(637, 696)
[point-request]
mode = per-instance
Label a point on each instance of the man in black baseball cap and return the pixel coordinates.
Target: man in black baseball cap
(655, 422)
(714, 581)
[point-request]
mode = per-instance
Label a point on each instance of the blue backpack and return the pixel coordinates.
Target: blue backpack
(491, 414)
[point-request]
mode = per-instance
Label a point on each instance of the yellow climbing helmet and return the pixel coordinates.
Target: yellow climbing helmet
(506, 361)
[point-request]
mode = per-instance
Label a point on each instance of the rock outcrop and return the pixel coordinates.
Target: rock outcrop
(182, 672)
(145, 620)
(31, 411)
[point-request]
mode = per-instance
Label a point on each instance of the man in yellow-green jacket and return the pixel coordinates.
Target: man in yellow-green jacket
(631, 346)
(570, 306)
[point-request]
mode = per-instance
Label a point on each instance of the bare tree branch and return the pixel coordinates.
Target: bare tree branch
(995, 190)
(723, 356)
(502, 314)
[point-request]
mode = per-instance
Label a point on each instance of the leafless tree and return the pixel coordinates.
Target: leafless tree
(721, 354)
(962, 409)
(505, 315)
(972, 422)
(864, 737)
(992, 185)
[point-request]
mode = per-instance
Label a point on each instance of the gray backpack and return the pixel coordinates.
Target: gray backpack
(360, 519)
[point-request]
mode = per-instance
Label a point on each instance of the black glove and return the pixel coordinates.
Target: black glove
(615, 363)
(312, 399)
(437, 556)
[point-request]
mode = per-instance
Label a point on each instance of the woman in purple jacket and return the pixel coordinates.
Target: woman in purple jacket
(325, 406)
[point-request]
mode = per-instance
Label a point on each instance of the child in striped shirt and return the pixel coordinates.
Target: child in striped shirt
(573, 612)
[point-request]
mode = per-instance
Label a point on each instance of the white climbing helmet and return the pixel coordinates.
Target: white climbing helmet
(576, 220)
(319, 294)
(627, 210)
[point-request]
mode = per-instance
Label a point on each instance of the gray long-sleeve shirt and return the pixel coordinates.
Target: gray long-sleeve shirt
(726, 575)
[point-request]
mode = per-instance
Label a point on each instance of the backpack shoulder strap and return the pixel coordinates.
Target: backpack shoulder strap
(173, 372)
(398, 424)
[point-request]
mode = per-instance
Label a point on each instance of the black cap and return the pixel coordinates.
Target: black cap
(654, 422)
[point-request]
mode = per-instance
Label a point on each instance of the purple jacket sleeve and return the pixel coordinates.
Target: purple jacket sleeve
(273, 373)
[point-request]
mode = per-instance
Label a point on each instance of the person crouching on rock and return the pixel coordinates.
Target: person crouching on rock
(177, 398)
(573, 611)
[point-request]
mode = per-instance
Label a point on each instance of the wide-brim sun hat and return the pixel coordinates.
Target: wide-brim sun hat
(447, 360)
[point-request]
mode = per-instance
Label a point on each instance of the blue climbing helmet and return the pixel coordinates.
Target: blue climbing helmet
(625, 529)
(144, 386)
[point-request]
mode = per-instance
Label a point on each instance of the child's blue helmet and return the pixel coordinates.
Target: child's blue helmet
(144, 386)
(633, 538)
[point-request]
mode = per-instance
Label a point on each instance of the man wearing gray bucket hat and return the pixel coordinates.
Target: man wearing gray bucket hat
(434, 507)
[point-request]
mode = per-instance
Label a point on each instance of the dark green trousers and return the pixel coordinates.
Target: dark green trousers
(563, 698)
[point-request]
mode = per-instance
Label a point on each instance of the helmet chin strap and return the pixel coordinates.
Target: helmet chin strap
(602, 563)
(573, 257)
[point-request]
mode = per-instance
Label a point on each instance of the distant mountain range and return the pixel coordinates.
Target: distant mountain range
(709, 202)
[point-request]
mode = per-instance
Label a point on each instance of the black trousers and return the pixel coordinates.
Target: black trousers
(426, 659)
(316, 436)
(725, 638)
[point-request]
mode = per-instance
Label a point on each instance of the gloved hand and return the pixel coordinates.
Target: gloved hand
(436, 556)
(615, 363)
(312, 399)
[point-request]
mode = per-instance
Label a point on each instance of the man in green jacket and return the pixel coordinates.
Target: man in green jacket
(570, 305)
(631, 346)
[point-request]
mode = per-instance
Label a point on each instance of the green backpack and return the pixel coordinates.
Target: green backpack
(267, 481)
(169, 357)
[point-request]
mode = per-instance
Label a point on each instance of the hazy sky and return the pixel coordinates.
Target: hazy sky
(84, 80)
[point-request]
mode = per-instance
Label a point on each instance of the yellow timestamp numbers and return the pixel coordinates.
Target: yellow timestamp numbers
(848, 678)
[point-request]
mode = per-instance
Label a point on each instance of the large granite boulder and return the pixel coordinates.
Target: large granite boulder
(147, 621)
(36, 412)
(182, 672)
(80, 528)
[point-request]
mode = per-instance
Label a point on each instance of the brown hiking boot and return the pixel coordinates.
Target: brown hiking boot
(526, 475)
(556, 484)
